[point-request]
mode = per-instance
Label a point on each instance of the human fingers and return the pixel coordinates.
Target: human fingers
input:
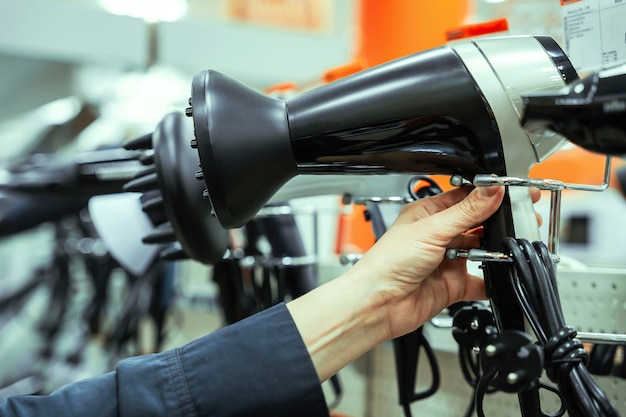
(474, 289)
(535, 194)
(473, 210)
(465, 241)
(431, 205)
(428, 206)
(539, 219)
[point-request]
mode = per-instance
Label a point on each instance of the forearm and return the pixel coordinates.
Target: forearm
(258, 366)
(339, 321)
(400, 283)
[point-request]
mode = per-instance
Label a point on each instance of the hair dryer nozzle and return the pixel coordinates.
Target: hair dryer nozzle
(172, 196)
(590, 112)
(419, 114)
(452, 110)
(244, 145)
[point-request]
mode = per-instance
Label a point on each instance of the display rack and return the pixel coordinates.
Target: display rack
(593, 300)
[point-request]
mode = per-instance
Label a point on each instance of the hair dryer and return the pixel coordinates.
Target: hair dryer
(46, 188)
(173, 198)
(451, 110)
(590, 112)
(85, 174)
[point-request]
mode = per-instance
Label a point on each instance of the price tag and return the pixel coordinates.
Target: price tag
(594, 33)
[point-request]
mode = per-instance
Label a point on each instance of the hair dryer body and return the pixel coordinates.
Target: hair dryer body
(450, 110)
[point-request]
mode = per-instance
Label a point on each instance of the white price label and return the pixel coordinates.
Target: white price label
(594, 33)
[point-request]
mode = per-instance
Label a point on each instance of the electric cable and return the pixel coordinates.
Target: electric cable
(470, 368)
(601, 359)
(534, 281)
(424, 190)
(408, 346)
(481, 390)
(407, 391)
(472, 326)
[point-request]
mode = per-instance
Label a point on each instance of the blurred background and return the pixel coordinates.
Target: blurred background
(81, 75)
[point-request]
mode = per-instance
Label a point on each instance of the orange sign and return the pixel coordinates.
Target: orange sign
(304, 15)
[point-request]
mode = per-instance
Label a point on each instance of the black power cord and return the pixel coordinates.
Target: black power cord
(406, 351)
(601, 359)
(534, 281)
(608, 360)
(407, 348)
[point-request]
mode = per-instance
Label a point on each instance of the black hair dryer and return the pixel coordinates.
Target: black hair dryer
(590, 112)
(451, 110)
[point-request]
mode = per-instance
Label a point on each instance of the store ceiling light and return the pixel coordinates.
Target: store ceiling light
(149, 10)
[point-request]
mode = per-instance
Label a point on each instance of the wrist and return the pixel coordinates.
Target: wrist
(340, 320)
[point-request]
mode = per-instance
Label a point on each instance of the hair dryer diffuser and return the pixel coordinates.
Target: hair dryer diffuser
(244, 144)
(173, 196)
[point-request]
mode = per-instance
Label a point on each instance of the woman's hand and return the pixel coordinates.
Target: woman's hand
(408, 265)
(400, 283)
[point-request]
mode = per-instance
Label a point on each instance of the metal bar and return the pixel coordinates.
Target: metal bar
(485, 180)
(602, 187)
(555, 222)
(284, 210)
(350, 258)
(287, 261)
(392, 199)
(605, 338)
(479, 255)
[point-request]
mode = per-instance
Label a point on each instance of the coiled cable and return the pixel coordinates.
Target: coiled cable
(534, 280)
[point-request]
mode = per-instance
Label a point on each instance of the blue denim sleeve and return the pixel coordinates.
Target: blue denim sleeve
(257, 367)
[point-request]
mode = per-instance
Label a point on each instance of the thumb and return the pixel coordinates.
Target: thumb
(470, 212)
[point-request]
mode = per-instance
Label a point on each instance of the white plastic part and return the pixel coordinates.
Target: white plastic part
(502, 78)
(122, 224)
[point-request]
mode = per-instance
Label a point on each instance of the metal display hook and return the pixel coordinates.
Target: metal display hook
(555, 187)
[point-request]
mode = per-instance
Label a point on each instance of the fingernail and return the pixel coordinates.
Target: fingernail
(488, 191)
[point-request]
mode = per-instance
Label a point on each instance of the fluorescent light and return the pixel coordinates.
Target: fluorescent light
(149, 10)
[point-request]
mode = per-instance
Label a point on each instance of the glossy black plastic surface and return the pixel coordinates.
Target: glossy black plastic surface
(559, 58)
(590, 112)
(24, 211)
(244, 145)
(199, 233)
(423, 113)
